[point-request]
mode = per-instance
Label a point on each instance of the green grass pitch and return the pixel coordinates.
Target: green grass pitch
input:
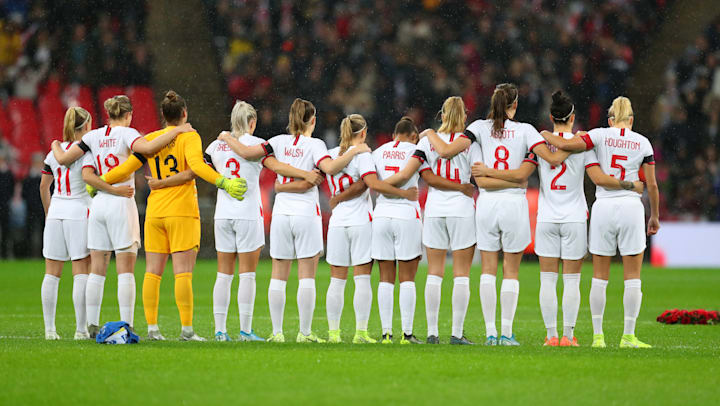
(683, 368)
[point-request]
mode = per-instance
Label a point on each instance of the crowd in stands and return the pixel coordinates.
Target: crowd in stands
(54, 55)
(687, 121)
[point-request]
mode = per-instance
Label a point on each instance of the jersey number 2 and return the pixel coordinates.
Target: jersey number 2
(553, 184)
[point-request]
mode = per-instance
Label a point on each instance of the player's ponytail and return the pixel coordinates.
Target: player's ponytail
(562, 108)
(173, 106)
(118, 106)
(453, 115)
(76, 118)
(301, 112)
(350, 127)
(621, 110)
(502, 100)
(405, 126)
(242, 114)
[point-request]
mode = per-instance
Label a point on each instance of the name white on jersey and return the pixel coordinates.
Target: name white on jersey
(621, 153)
(303, 153)
(447, 203)
(562, 194)
(70, 201)
(505, 149)
(111, 147)
(389, 159)
(231, 165)
(357, 211)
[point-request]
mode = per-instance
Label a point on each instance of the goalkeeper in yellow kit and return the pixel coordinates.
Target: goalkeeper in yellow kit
(172, 219)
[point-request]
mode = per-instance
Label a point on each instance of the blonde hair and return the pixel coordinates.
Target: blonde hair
(453, 115)
(349, 128)
(242, 114)
(118, 106)
(621, 110)
(75, 120)
(301, 112)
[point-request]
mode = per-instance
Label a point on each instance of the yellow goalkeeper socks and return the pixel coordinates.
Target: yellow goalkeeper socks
(184, 298)
(151, 297)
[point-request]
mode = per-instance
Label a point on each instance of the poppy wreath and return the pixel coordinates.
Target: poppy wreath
(698, 316)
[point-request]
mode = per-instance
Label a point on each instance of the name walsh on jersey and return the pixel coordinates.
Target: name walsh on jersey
(294, 152)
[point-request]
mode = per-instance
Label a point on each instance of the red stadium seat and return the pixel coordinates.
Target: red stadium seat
(103, 94)
(145, 111)
(5, 125)
(52, 115)
(25, 133)
(81, 96)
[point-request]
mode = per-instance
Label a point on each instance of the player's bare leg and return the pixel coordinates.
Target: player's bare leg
(462, 261)
(385, 298)
(49, 294)
(548, 298)
(125, 264)
(509, 292)
(362, 302)
(407, 298)
(80, 271)
(221, 293)
(307, 267)
(99, 261)
(247, 264)
(335, 301)
(488, 293)
(276, 296)
(154, 268)
(183, 264)
(601, 273)
(571, 300)
(433, 291)
(632, 299)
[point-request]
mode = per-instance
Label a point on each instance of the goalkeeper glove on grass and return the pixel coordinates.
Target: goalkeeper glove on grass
(236, 188)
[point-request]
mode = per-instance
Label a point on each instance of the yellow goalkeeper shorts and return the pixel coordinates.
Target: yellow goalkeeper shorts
(166, 235)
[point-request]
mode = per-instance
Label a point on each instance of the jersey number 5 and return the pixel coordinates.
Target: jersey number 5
(614, 164)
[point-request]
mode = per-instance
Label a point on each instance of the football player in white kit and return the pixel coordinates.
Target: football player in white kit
(296, 228)
(502, 216)
(449, 222)
(617, 221)
(239, 226)
(65, 234)
(113, 223)
(561, 231)
(397, 229)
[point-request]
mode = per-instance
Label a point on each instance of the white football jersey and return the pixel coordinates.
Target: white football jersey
(302, 153)
(389, 159)
(357, 211)
(562, 194)
(229, 164)
(506, 149)
(70, 201)
(111, 147)
(446, 203)
(621, 153)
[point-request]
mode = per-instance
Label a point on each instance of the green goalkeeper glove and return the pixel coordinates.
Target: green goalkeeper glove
(235, 187)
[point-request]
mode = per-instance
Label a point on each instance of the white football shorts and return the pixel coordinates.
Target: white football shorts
(237, 235)
(502, 222)
(349, 245)
(449, 233)
(293, 237)
(396, 239)
(114, 224)
(561, 240)
(617, 223)
(65, 240)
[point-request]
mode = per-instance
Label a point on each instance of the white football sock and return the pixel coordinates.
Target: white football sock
(385, 298)
(48, 295)
(93, 298)
(632, 299)
(407, 306)
(488, 299)
(597, 303)
(334, 302)
(460, 301)
(246, 300)
(509, 291)
(548, 302)
(126, 297)
(362, 301)
(570, 303)
(276, 301)
(433, 294)
(306, 304)
(221, 300)
(78, 295)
